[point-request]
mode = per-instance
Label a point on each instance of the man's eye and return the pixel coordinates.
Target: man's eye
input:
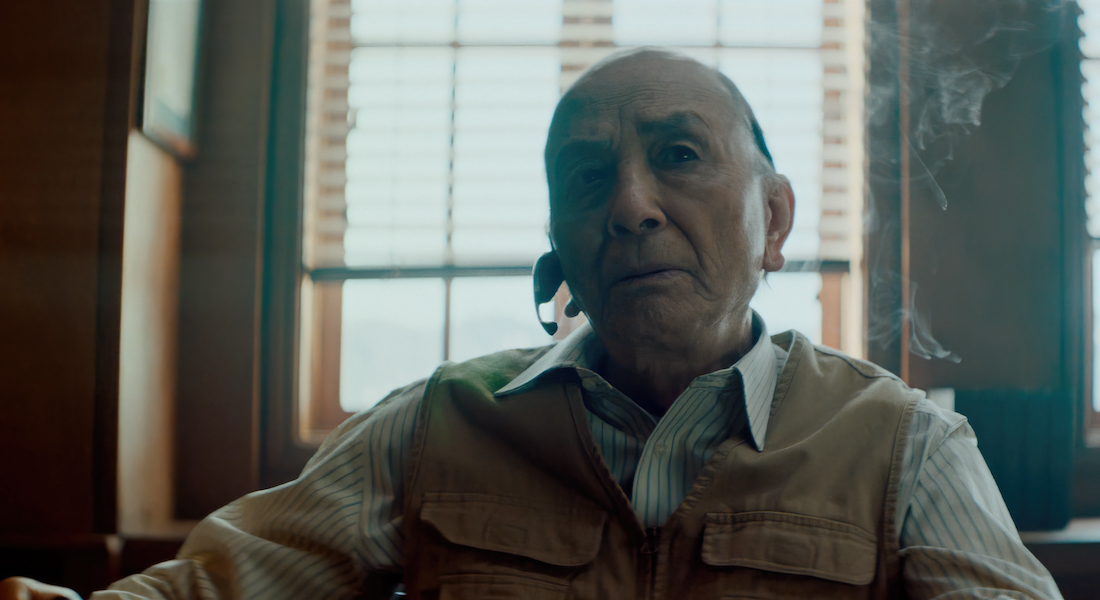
(679, 154)
(588, 176)
(591, 175)
(585, 185)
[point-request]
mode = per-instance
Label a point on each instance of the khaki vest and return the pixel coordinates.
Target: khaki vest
(508, 498)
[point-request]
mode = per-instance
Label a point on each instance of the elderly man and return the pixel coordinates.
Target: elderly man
(671, 450)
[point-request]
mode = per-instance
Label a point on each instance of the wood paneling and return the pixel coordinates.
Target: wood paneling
(988, 270)
(218, 393)
(64, 95)
(989, 275)
(996, 277)
(83, 563)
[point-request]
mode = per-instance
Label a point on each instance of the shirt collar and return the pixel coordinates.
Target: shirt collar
(758, 370)
(576, 350)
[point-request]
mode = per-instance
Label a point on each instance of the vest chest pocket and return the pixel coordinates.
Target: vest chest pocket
(500, 587)
(790, 544)
(509, 548)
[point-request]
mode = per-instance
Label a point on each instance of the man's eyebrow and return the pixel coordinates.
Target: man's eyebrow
(677, 122)
(580, 147)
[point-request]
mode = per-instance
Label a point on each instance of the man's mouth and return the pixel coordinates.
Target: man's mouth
(651, 274)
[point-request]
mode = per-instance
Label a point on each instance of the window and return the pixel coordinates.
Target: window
(424, 194)
(1090, 69)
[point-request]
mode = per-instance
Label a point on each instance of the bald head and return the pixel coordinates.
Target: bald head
(631, 63)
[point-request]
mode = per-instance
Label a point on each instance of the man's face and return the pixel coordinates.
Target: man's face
(659, 211)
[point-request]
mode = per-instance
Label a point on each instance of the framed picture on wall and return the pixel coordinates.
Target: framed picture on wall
(171, 62)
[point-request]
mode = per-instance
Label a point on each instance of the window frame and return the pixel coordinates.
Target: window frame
(1090, 417)
(1078, 252)
(287, 441)
(283, 455)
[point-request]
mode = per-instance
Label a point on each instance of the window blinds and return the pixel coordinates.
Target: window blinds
(427, 118)
(1089, 21)
(327, 126)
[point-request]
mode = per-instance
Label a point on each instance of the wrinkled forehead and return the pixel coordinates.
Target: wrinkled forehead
(644, 96)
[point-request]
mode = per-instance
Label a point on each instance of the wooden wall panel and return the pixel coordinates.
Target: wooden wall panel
(64, 97)
(996, 278)
(989, 269)
(221, 264)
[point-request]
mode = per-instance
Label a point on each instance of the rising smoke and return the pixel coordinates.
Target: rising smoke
(959, 51)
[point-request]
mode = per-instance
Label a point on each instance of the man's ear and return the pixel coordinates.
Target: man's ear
(778, 219)
(547, 278)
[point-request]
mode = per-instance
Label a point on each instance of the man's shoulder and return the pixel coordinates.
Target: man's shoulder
(930, 422)
(504, 359)
(799, 347)
(485, 370)
(932, 425)
(492, 371)
(865, 368)
(390, 423)
(833, 378)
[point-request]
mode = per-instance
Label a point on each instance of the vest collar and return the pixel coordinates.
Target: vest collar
(758, 370)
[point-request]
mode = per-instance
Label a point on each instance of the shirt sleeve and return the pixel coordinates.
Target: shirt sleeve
(327, 534)
(957, 538)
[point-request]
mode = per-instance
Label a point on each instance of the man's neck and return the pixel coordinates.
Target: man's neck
(655, 378)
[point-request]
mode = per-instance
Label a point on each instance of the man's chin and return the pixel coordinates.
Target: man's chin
(644, 319)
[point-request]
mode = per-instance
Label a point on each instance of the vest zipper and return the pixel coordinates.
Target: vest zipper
(649, 550)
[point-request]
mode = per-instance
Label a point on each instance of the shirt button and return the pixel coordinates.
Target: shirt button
(588, 384)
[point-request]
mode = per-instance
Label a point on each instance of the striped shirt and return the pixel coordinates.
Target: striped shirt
(319, 535)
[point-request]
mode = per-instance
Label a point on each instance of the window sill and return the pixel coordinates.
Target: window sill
(1079, 531)
(1071, 555)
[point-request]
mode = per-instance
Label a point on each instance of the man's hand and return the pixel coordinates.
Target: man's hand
(23, 588)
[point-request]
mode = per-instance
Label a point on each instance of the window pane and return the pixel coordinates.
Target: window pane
(790, 301)
(663, 23)
(492, 313)
(773, 23)
(391, 335)
(1089, 21)
(509, 22)
(1091, 90)
(504, 99)
(784, 88)
(399, 154)
(1096, 330)
(404, 22)
(443, 160)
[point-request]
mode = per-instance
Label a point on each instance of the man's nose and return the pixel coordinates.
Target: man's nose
(635, 203)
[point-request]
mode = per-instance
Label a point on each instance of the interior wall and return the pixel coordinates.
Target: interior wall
(221, 270)
(989, 269)
(63, 101)
(147, 369)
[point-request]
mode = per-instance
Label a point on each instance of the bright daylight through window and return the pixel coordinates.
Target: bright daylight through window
(1090, 68)
(425, 196)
